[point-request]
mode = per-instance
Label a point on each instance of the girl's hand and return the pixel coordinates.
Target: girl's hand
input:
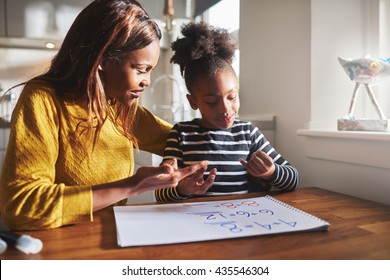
(195, 184)
(260, 165)
(167, 175)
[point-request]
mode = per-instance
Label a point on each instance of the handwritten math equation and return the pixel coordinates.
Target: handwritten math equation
(239, 216)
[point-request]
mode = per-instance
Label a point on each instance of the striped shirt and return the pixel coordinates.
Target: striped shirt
(191, 143)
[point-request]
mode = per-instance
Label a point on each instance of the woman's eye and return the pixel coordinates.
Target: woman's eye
(141, 72)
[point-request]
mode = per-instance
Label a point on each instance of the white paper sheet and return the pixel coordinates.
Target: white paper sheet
(139, 225)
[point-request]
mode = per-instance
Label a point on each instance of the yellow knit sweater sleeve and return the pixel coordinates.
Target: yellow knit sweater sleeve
(151, 131)
(30, 195)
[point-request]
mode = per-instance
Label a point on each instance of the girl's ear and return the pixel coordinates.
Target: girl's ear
(100, 68)
(192, 101)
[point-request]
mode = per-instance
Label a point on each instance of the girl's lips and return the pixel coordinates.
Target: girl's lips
(228, 119)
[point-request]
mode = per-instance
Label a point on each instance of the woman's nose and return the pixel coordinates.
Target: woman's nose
(145, 82)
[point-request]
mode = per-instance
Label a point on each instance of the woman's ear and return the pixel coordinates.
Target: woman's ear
(103, 64)
(192, 101)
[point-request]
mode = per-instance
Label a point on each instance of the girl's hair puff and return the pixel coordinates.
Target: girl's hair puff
(203, 50)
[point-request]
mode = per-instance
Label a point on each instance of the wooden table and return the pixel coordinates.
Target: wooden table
(359, 229)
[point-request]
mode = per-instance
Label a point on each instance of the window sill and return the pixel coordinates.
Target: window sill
(351, 135)
(360, 148)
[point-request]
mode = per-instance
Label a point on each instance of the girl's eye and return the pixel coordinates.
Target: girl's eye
(210, 101)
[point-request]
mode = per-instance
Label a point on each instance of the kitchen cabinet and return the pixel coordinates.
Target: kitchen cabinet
(41, 18)
(32, 23)
(4, 135)
(2, 18)
(24, 22)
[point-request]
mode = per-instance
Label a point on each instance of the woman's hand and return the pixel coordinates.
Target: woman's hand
(147, 178)
(167, 175)
(260, 165)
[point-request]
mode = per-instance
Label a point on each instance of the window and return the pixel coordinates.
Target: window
(225, 14)
(350, 29)
(355, 29)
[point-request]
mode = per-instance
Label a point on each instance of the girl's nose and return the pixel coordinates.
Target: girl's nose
(224, 107)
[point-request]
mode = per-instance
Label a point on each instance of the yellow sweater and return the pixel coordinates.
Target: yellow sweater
(47, 177)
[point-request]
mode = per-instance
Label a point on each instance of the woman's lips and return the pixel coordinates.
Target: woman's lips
(136, 93)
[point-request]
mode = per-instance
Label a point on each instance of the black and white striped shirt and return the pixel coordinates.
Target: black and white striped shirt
(191, 143)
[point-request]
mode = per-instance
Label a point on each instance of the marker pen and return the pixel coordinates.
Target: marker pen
(3, 246)
(24, 243)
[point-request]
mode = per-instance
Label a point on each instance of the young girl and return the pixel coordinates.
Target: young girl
(240, 157)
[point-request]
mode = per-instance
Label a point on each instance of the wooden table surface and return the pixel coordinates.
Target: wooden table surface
(359, 229)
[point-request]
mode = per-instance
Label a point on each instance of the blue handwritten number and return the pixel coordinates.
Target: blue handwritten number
(243, 213)
(229, 225)
(266, 211)
(264, 226)
(208, 215)
(291, 224)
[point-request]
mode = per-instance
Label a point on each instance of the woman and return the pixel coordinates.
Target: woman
(73, 130)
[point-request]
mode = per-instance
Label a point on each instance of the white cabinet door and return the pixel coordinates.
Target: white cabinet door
(41, 19)
(2, 18)
(4, 135)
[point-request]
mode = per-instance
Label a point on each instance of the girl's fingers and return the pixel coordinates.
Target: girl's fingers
(189, 170)
(198, 175)
(244, 162)
(202, 188)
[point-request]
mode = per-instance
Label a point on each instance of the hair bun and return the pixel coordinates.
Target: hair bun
(201, 40)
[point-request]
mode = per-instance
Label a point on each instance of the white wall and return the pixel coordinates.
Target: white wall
(288, 53)
(275, 68)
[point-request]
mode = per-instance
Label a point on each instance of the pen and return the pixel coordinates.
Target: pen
(3, 246)
(24, 243)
